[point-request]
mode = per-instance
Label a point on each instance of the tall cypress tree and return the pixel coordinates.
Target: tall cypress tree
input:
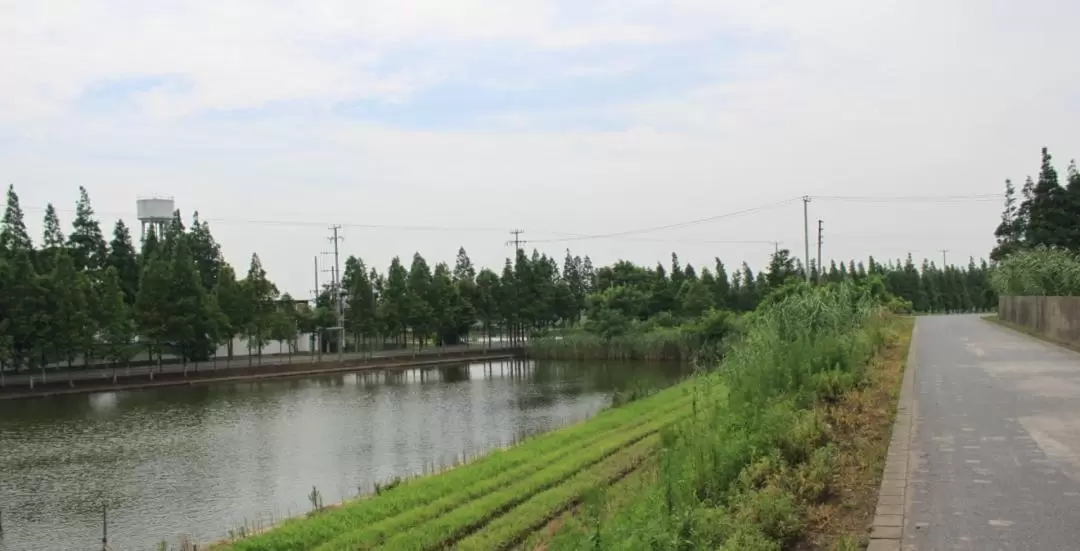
(118, 327)
(262, 295)
(1072, 195)
(13, 235)
(722, 289)
(419, 314)
(70, 326)
(52, 240)
(235, 309)
(27, 312)
(360, 293)
(393, 304)
(152, 302)
(87, 243)
(122, 259)
(1010, 230)
(205, 252)
(1048, 219)
(190, 318)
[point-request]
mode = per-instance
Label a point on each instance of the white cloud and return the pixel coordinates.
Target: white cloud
(832, 98)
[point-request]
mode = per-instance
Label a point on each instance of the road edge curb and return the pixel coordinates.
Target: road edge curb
(887, 530)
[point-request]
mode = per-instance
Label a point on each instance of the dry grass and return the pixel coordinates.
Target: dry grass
(862, 425)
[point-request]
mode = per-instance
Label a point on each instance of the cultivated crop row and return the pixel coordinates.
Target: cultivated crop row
(459, 485)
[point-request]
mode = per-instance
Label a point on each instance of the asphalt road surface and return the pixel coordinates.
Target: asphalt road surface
(997, 443)
(12, 379)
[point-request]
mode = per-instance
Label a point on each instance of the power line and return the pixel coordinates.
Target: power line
(911, 198)
(671, 226)
(516, 241)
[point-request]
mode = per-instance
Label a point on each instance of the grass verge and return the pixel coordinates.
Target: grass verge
(862, 425)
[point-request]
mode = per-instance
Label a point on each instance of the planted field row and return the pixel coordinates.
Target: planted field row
(445, 527)
(377, 532)
(306, 533)
(513, 527)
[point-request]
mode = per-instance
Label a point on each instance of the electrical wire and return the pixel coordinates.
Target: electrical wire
(671, 226)
(911, 198)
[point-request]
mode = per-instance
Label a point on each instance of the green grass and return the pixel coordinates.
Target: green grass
(741, 454)
(745, 471)
(516, 525)
(658, 344)
(530, 455)
(443, 521)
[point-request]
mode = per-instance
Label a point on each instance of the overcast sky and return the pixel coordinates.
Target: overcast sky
(476, 117)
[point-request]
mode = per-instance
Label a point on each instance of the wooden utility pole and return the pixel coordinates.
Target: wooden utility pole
(943, 262)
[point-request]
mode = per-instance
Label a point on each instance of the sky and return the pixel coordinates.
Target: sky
(428, 125)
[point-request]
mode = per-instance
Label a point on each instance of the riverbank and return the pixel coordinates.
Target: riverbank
(747, 456)
(121, 379)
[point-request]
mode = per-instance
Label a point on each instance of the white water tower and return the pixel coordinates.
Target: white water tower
(156, 213)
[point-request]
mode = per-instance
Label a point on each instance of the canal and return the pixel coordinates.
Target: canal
(198, 462)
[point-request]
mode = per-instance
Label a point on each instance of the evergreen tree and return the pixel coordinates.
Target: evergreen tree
(465, 300)
(1008, 232)
(575, 280)
(695, 298)
(232, 301)
(205, 252)
(419, 314)
(13, 235)
(443, 304)
(87, 243)
(151, 246)
(27, 312)
(393, 304)
(122, 259)
(508, 301)
(722, 289)
(118, 328)
(191, 318)
(487, 299)
(360, 293)
(69, 323)
(1048, 218)
(781, 268)
(262, 297)
(1072, 194)
(52, 240)
(152, 303)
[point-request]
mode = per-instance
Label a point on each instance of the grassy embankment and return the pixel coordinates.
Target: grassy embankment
(703, 338)
(780, 445)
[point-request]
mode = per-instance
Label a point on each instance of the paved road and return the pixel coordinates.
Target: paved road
(997, 442)
(20, 379)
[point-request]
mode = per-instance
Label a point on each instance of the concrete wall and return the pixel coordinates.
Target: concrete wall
(1055, 317)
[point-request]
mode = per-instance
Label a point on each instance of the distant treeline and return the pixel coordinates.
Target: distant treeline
(78, 297)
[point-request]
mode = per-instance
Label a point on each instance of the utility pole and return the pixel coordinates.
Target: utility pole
(821, 232)
(516, 241)
(316, 342)
(806, 232)
(338, 304)
(943, 263)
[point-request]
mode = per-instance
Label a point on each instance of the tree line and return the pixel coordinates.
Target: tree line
(79, 299)
(1047, 213)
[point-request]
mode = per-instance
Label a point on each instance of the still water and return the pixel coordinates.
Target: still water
(197, 462)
